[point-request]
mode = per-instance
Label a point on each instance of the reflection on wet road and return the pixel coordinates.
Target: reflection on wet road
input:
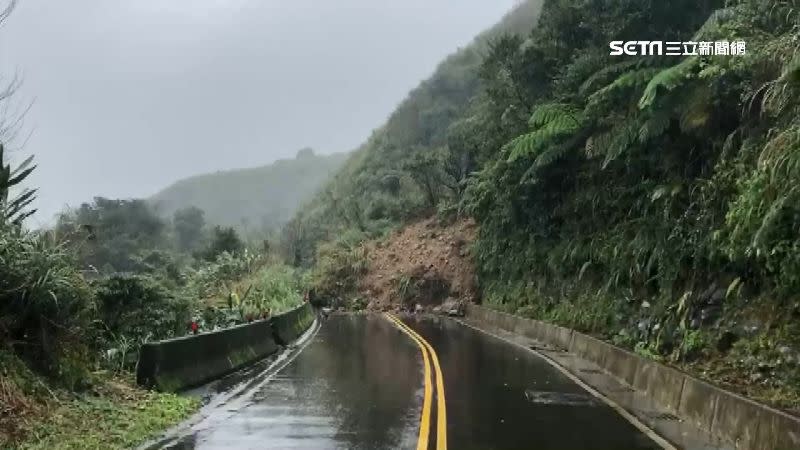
(500, 396)
(359, 383)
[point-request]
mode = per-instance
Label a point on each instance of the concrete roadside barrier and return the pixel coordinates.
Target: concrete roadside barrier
(742, 422)
(176, 364)
(290, 325)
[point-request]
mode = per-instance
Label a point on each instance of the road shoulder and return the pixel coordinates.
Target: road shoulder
(638, 408)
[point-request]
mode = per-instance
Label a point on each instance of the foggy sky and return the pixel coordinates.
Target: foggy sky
(131, 95)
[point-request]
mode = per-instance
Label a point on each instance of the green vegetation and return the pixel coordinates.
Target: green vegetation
(276, 288)
(14, 206)
(119, 417)
(255, 201)
(69, 337)
(223, 240)
(650, 200)
(110, 235)
(70, 333)
(648, 180)
(78, 301)
(395, 176)
(134, 309)
(340, 263)
(189, 224)
(271, 289)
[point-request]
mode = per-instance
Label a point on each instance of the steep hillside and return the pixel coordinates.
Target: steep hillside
(393, 176)
(652, 201)
(252, 199)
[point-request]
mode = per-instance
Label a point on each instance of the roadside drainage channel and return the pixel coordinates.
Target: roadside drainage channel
(689, 413)
(176, 364)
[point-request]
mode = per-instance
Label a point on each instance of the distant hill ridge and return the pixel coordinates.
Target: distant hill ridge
(252, 199)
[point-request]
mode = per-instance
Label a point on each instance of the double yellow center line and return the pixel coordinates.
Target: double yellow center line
(428, 355)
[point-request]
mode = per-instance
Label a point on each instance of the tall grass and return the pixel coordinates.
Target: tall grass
(46, 306)
(278, 288)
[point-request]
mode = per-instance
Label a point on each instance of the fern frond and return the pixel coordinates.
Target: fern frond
(552, 122)
(618, 91)
(619, 140)
(696, 110)
(552, 112)
(628, 80)
(574, 142)
(619, 145)
(668, 79)
(606, 74)
(655, 125)
(531, 143)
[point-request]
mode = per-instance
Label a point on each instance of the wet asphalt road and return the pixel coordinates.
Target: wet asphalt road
(358, 384)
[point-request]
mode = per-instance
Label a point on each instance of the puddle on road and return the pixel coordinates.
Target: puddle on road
(559, 398)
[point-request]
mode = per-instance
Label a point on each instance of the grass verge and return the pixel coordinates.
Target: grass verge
(112, 414)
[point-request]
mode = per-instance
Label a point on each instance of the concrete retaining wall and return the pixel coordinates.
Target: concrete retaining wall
(176, 364)
(745, 423)
(290, 325)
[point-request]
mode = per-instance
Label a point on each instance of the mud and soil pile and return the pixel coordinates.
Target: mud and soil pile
(425, 264)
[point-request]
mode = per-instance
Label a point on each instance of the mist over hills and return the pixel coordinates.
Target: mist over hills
(251, 199)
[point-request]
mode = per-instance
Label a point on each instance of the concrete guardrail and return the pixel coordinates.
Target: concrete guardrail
(290, 325)
(746, 424)
(179, 363)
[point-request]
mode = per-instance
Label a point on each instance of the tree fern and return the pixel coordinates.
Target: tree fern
(552, 121)
(668, 79)
(611, 144)
(607, 74)
(622, 138)
(655, 125)
(617, 92)
(550, 155)
(553, 113)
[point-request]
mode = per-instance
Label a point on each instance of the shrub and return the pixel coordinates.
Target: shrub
(139, 308)
(223, 240)
(276, 288)
(213, 279)
(46, 306)
(339, 265)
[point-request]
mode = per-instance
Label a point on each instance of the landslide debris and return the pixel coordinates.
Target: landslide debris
(425, 264)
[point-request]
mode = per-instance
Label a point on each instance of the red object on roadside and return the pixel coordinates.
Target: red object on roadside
(194, 327)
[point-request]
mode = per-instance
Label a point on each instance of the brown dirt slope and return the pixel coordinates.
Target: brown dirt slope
(425, 263)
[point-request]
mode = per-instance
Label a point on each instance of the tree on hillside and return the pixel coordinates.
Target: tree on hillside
(427, 169)
(223, 240)
(109, 234)
(189, 224)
